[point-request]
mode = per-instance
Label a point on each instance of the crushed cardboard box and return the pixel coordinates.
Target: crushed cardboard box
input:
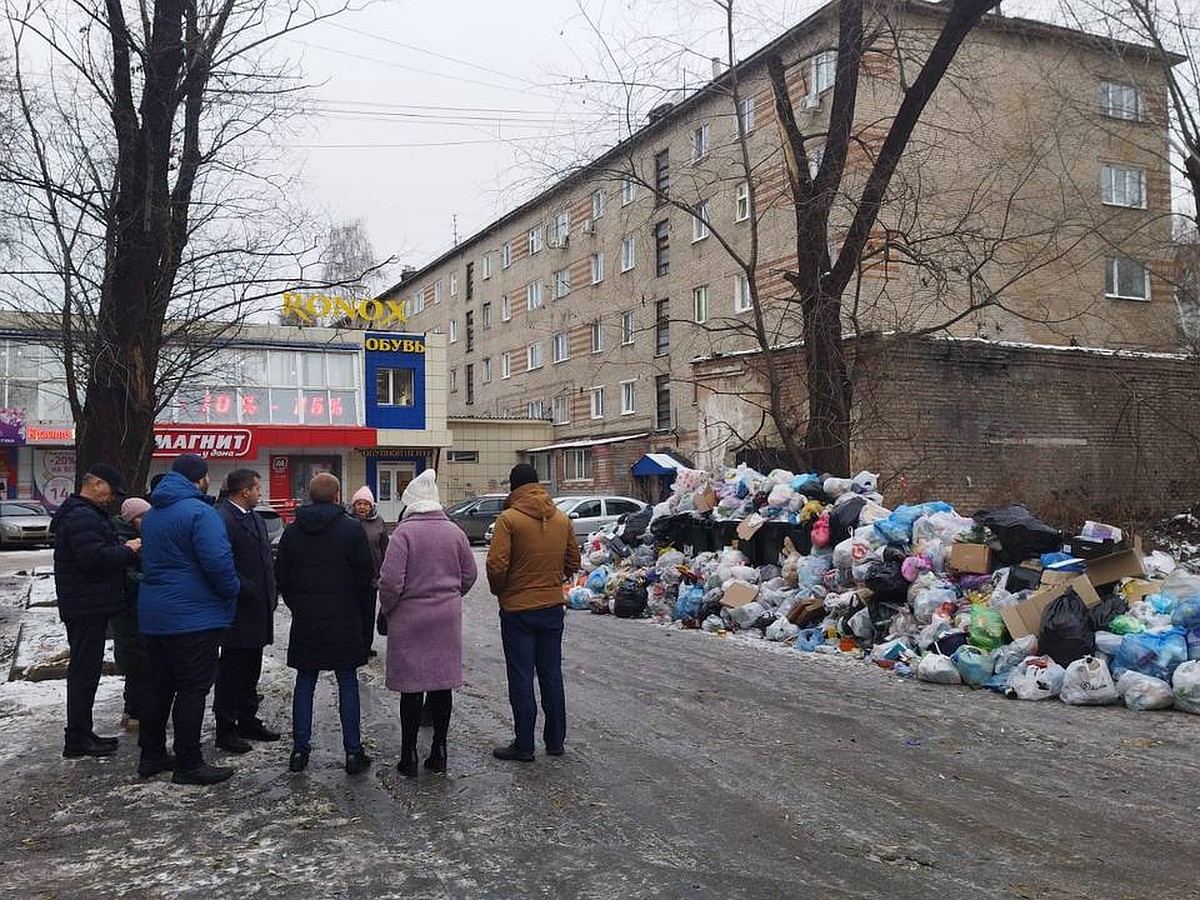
(972, 559)
(739, 593)
(1026, 617)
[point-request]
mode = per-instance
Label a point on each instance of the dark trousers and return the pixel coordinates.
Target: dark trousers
(533, 643)
(235, 697)
(129, 650)
(182, 668)
(86, 638)
(439, 703)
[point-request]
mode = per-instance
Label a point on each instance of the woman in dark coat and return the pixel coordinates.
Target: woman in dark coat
(129, 648)
(324, 572)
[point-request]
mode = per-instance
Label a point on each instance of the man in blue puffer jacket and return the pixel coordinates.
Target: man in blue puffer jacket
(188, 597)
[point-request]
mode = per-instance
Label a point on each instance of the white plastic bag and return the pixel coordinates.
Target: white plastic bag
(1088, 682)
(1186, 683)
(781, 630)
(937, 669)
(1036, 678)
(747, 614)
(1144, 692)
(1010, 656)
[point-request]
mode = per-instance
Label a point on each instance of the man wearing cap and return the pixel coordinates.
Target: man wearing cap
(188, 598)
(533, 549)
(89, 579)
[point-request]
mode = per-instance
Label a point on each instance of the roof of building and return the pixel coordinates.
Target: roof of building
(590, 442)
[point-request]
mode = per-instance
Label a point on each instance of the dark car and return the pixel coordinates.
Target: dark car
(475, 514)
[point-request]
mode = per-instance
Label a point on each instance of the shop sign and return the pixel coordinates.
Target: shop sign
(211, 443)
(310, 308)
(38, 434)
(399, 344)
(54, 476)
(12, 426)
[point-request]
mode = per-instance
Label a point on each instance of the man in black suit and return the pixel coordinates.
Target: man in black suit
(235, 700)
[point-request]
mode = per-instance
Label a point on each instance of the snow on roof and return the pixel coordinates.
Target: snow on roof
(588, 443)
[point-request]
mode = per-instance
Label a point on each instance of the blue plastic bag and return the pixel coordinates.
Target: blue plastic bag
(1156, 655)
(997, 683)
(597, 580)
(1187, 614)
(809, 639)
(579, 598)
(896, 528)
(687, 605)
(974, 664)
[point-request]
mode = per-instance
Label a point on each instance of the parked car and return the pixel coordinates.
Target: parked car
(274, 522)
(590, 513)
(475, 514)
(24, 523)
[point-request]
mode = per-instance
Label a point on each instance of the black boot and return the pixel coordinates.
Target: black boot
(232, 742)
(437, 759)
(408, 763)
(512, 752)
(88, 745)
(298, 761)
(150, 766)
(357, 763)
(203, 774)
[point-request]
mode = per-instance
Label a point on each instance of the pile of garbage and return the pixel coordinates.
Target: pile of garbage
(1000, 600)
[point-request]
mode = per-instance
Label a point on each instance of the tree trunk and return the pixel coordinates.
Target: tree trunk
(829, 393)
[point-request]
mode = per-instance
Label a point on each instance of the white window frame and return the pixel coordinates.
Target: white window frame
(597, 204)
(1109, 90)
(746, 114)
(560, 347)
(628, 326)
(742, 301)
(454, 331)
(505, 365)
(485, 371)
(453, 284)
(563, 418)
(741, 202)
(628, 191)
(700, 143)
(597, 407)
(537, 239)
(487, 266)
(1112, 277)
(505, 308)
(824, 70)
(629, 397)
(562, 283)
(597, 267)
(453, 381)
(700, 304)
(537, 409)
(485, 316)
(577, 464)
(700, 228)
(628, 252)
(596, 335)
(506, 254)
(419, 301)
(1115, 182)
(437, 291)
(562, 227)
(535, 356)
(534, 296)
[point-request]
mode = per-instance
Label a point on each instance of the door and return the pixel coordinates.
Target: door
(304, 468)
(587, 516)
(391, 478)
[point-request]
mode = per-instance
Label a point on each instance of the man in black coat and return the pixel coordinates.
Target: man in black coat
(235, 699)
(89, 579)
(325, 573)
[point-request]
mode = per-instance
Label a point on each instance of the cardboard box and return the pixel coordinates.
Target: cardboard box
(706, 500)
(1051, 577)
(1026, 617)
(973, 559)
(739, 593)
(1136, 589)
(1115, 566)
(749, 526)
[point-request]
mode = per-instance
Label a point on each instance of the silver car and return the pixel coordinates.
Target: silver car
(24, 523)
(588, 513)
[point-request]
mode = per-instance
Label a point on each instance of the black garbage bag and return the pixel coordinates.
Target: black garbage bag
(1021, 534)
(843, 519)
(629, 600)
(635, 525)
(1106, 610)
(1067, 630)
(886, 581)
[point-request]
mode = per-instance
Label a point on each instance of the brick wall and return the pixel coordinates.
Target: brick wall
(1072, 432)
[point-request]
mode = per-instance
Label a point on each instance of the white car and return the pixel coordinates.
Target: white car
(589, 513)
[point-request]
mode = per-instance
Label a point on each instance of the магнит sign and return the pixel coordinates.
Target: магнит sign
(211, 443)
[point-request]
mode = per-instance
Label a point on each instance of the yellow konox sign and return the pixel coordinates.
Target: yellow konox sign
(312, 307)
(394, 345)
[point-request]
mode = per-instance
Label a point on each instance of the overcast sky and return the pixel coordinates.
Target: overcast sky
(431, 112)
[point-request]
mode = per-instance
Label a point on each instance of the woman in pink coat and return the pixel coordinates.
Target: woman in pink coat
(427, 569)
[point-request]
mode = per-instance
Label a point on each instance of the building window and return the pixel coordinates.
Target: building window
(662, 402)
(628, 191)
(454, 381)
(437, 291)
(598, 403)
(824, 65)
(470, 280)
(467, 456)
(597, 203)
(562, 283)
(418, 302)
(741, 293)
(453, 284)
(454, 331)
(662, 327)
(700, 304)
(662, 177)
(1123, 186)
(506, 365)
(597, 268)
(394, 387)
(505, 308)
(486, 311)
(470, 383)
(628, 253)
(537, 409)
(505, 255)
(746, 115)
(533, 295)
(742, 202)
(533, 356)
(662, 248)
(628, 398)
(700, 144)
(627, 328)
(700, 223)
(485, 372)
(487, 266)
(1120, 101)
(541, 463)
(470, 330)
(597, 337)
(537, 236)
(562, 227)
(577, 464)
(1126, 279)
(560, 347)
(562, 411)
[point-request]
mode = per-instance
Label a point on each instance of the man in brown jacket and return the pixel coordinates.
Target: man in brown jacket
(533, 549)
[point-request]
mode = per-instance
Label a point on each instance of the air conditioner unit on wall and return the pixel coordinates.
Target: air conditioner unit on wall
(810, 102)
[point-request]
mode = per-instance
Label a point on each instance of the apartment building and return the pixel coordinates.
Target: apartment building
(1033, 205)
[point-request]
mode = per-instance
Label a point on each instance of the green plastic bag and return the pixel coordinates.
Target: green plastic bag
(987, 627)
(1126, 624)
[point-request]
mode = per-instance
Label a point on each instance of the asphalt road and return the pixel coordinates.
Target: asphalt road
(696, 767)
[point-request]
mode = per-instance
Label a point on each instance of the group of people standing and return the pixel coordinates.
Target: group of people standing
(190, 589)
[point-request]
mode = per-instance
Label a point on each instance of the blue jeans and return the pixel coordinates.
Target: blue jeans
(348, 711)
(533, 643)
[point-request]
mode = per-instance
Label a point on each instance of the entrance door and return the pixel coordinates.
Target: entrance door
(303, 469)
(391, 478)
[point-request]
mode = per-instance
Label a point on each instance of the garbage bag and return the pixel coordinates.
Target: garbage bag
(1107, 642)
(927, 603)
(635, 525)
(1067, 630)
(843, 517)
(1036, 678)
(629, 600)
(597, 580)
(898, 526)
(1144, 692)
(974, 665)
(887, 582)
(938, 669)
(687, 606)
(998, 682)
(713, 624)
(1187, 614)
(1186, 683)
(1020, 533)
(1193, 643)
(809, 639)
(1151, 654)
(579, 598)
(1088, 682)
(1106, 610)
(987, 627)
(1010, 656)
(1126, 624)
(781, 630)
(747, 614)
